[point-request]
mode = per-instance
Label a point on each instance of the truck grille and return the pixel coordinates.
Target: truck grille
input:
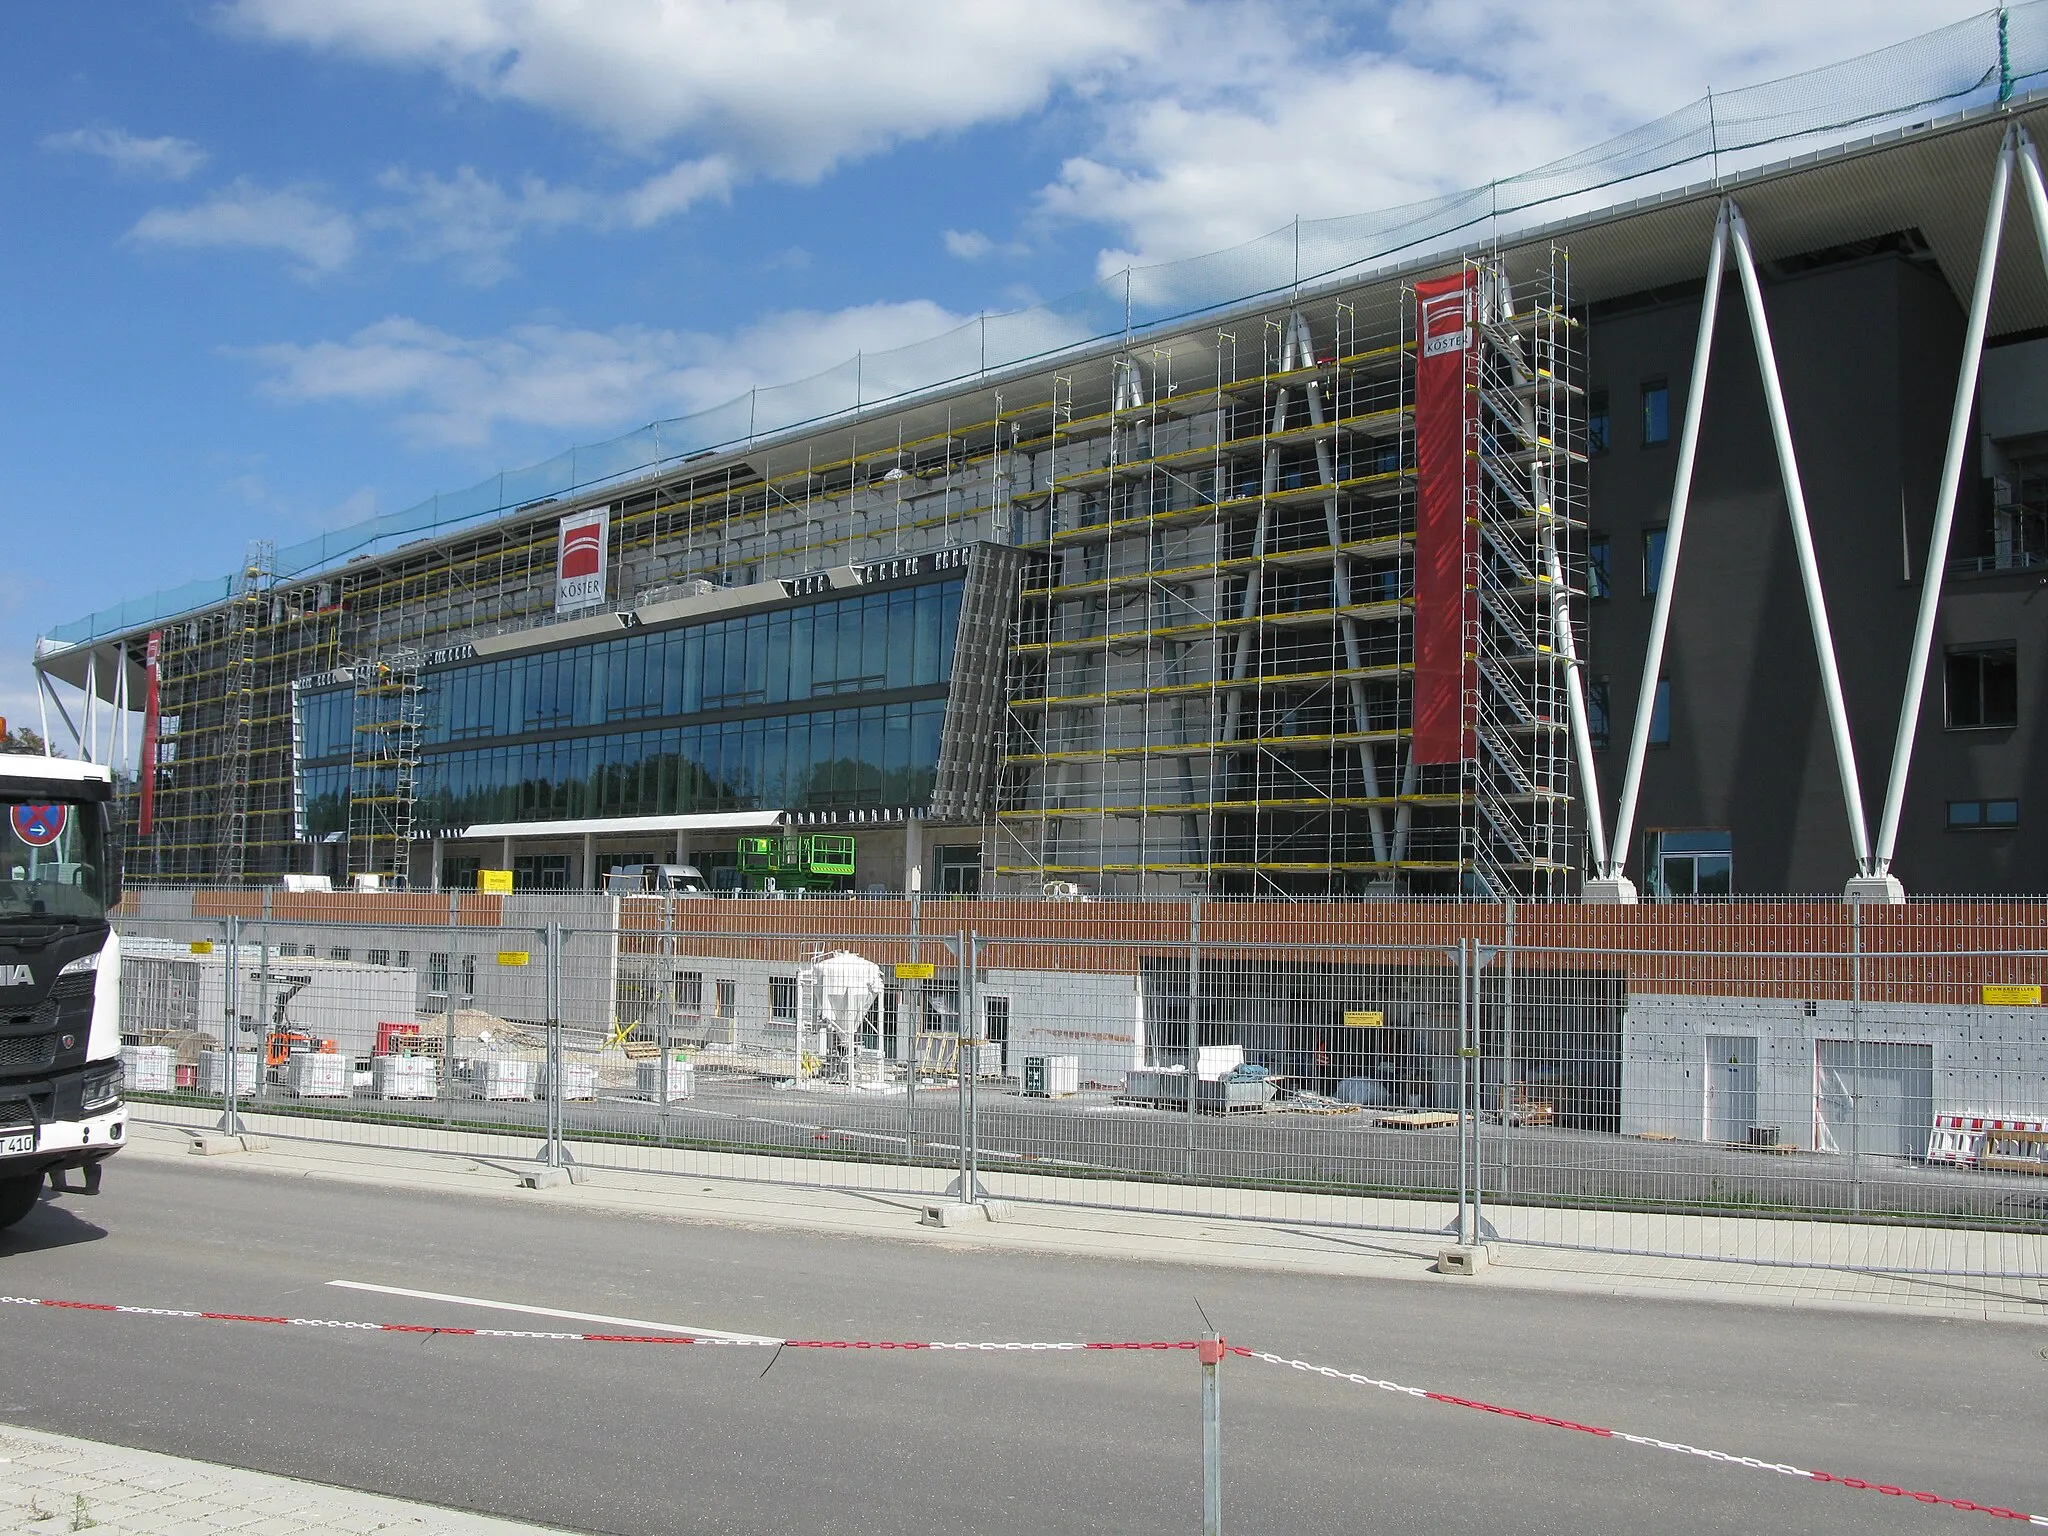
(27, 1053)
(15, 1112)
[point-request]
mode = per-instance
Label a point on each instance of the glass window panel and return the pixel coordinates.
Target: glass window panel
(896, 756)
(874, 639)
(797, 761)
(825, 648)
(901, 654)
(757, 658)
(777, 684)
(949, 621)
(714, 664)
(925, 668)
(736, 635)
(800, 654)
(774, 763)
(868, 786)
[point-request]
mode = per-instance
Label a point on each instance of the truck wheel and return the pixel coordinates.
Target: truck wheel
(18, 1197)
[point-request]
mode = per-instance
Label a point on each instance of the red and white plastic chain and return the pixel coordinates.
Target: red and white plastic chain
(1728, 1459)
(1042, 1346)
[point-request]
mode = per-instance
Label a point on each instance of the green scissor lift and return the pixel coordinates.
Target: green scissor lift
(811, 861)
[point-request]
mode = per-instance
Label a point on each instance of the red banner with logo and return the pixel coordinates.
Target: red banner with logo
(145, 814)
(1446, 541)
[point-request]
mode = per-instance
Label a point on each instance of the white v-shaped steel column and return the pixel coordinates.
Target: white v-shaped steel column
(1730, 230)
(1667, 573)
(1952, 473)
(1802, 543)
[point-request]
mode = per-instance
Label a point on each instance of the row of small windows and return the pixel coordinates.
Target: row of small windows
(876, 755)
(1653, 418)
(878, 641)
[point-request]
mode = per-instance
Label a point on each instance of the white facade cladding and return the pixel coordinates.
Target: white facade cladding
(1701, 1068)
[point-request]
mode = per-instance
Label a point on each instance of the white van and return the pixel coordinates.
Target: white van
(655, 880)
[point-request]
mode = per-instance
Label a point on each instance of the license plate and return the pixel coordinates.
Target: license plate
(25, 1142)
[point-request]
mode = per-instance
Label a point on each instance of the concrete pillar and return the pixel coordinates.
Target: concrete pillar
(590, 861)
(505, 853)
(682, 846)
(434, 852)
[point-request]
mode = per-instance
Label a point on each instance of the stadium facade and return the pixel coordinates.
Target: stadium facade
(1347, 588)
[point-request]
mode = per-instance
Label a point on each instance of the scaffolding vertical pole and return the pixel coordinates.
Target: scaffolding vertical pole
(1802, 541)
(1936, 564)
(1667, 573)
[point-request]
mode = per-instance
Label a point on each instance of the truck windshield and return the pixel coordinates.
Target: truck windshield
(51, 860)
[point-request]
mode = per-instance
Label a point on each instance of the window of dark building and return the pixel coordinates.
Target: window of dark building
(1690, 863)
(782, 999)
(1598, 423)
(1599, 567)
(437, 974)
(1656, 412)
(959, 870)
(1598, 713)
(1982, 815)
(1660, 714)
(458, 873)
(1983, 687)
(1653, 560)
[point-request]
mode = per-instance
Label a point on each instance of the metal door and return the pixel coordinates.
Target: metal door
(1730, 1087)
(1877, 1097)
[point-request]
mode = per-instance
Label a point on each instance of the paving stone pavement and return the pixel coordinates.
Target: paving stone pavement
(54, 1483)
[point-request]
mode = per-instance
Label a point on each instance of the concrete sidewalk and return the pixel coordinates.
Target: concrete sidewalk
(54, 1483)
(1721, 1259)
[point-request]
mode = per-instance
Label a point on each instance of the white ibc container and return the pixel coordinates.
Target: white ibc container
(404, 1077)
(320, 1075)
(1062, 1076)
(213, 1073)
(579, 1080)
(148, 1068)
(682, 1080)
(497, 1077)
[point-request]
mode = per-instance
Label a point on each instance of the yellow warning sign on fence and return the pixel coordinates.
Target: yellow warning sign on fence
(514, 956)
(2012, 997)
(202, 946)
(494, 882)
(1364, 1019)
(914, 970)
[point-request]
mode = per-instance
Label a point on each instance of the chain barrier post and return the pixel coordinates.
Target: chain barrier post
(231, 1026)
(1210, 1353)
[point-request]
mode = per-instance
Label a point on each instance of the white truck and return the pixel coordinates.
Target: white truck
(60, 979)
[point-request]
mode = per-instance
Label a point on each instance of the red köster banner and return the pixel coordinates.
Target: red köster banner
(145, 814)
(1444, 536)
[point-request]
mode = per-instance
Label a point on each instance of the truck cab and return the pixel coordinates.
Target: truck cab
(60, 978)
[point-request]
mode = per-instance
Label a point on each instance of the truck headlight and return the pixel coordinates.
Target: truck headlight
(101, 1089)
(82, 965)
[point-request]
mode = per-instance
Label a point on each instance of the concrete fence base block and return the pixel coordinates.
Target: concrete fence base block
(951, 1214)
(998, 1210)
(1465, 1262)
(547, 1178)
(214, 1144)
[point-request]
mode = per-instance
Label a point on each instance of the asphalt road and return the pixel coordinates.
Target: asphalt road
(1090, 1132)
(624, 1438)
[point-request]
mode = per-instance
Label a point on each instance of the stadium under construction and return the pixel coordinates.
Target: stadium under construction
(1367, 583)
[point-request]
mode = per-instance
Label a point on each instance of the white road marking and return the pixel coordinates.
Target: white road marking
(580, 1317)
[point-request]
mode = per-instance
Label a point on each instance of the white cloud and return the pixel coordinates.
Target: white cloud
(787, 88)
(968, 244)
(166, 158)
(458, 390)
(471, 221)
(1310, 121)
(242, 214)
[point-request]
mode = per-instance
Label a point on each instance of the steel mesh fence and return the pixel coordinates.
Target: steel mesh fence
(1642, 1080)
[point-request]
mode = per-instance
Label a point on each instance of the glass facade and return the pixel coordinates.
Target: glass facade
(828, 704)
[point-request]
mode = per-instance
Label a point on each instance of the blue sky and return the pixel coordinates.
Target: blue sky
(275, 265)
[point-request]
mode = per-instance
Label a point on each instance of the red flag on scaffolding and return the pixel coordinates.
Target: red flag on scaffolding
(1445, 538)
(145, 813)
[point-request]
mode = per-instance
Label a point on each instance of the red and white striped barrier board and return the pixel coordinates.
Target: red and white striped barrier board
(1958, 1139)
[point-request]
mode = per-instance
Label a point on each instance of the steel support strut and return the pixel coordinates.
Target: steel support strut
(1802, 542)
(1951, 480)
(1674, 536)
